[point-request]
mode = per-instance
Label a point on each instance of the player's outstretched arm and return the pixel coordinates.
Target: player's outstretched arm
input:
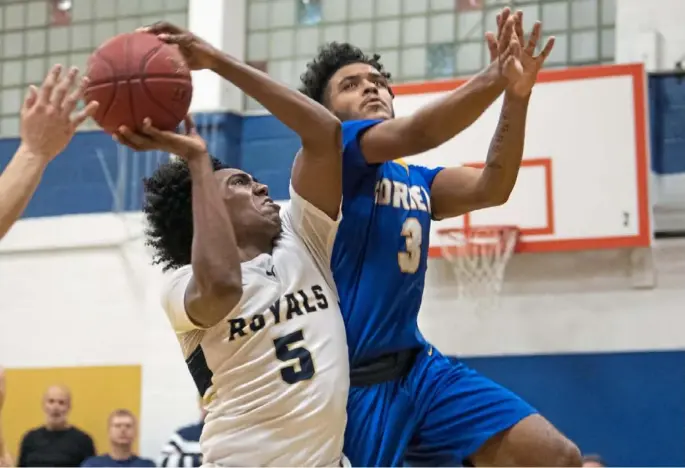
(456, 191)
(317, 173)
(48, 123)
(442, 119)
(216, 287)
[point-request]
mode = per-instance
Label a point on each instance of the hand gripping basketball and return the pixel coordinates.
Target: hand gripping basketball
(198, 53)
(188, 145)
(48, 120)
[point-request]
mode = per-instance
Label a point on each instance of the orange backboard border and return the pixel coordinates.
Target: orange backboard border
(637, 72)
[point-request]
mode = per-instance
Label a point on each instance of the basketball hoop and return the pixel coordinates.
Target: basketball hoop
(478, 257)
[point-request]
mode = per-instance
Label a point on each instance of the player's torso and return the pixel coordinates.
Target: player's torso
(279, 363)
(379, 260)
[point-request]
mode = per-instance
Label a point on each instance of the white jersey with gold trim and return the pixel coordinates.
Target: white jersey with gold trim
(275, 372)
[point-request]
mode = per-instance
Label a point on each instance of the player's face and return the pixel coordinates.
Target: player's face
(248, 202)
(358, 91)
(122, 430)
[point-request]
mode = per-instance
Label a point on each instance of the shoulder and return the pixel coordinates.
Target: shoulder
(353, 129)
(190, 432)
(81, 433)
(425, 174)
(96, 460)
(145, 462)
(33, 433)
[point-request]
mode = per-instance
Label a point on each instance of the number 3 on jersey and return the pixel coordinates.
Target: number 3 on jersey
(410, 259)
(291, 348)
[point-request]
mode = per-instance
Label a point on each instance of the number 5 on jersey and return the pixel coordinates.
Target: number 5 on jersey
(410, 259)
(291, 348)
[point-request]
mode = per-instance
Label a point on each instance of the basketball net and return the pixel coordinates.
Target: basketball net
(478, 257)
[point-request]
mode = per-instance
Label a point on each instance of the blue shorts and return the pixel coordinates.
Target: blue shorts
(437, 415)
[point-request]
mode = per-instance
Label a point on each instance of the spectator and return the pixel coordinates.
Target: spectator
(593, 461)
(183, 449)
(5, 458)
(122, 430)
(57, 443)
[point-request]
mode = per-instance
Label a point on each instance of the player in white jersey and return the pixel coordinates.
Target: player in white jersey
(250, 293)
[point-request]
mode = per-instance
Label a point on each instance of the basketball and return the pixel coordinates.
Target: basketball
(134, 76)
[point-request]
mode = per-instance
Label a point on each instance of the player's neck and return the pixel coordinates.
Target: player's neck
(120, 452)
(254, 249)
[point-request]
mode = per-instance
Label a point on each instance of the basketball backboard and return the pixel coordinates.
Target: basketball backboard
(583, 183)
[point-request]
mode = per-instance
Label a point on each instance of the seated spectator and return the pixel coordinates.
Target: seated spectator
(5, 457)
(593, 461)
(57, 443)
(183, 449)
(121, 429)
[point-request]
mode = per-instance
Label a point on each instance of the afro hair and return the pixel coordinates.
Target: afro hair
(168, 209)
(331, 58)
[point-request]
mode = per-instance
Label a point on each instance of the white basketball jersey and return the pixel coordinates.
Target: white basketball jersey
(278, 362)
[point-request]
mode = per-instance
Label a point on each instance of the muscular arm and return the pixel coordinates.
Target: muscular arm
(317, 172)
(435, 123)
(458, 190)
(216, 286)
(18, 183)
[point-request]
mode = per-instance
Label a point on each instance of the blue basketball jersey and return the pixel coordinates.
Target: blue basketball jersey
(381, 249)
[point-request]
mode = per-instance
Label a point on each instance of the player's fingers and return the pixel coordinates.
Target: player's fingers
(139, 140)
(123, 140)
(49, 84)
(31, 97)
(63, 87)
(182, 40)
(85, 113)
(70, 102)
(492, 45)
(161, 27)
(518, 29)
(507, 31)
(189, 125)
(534, 38)
(549, 45)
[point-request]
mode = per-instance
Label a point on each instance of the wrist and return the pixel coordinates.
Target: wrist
(25, 153)
(197, 161)
(517, 99)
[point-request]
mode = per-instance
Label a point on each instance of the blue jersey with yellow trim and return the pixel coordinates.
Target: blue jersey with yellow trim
(381, 249)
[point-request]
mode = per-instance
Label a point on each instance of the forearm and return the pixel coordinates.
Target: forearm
(310, 120)
(506, 150)
(18, 183)
(215, 256)
(441, 120)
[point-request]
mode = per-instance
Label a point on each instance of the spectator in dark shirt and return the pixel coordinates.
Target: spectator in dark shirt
(57, 443)
(183, 449)
(122, 430)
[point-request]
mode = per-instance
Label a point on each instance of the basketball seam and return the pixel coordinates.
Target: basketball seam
(143, 86)
(112, 69)
(136, 77)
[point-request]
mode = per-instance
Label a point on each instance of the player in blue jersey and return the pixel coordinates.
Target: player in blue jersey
(409, 403)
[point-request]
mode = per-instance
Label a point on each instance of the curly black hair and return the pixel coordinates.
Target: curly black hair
(168, 209)
(331, 58)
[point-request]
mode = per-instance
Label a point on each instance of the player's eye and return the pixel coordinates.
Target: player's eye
(240, 180)
(349, 85)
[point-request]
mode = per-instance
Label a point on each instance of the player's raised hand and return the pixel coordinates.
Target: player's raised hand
(531, 63)
(187, 145)
(198, 53)
(48, 115)
(505, 48)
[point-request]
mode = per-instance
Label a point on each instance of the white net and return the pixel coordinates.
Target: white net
(478, 257)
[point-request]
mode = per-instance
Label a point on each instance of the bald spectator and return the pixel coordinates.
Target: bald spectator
(5, 457)
(57, 443)
(122, 429)
(593, 461)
